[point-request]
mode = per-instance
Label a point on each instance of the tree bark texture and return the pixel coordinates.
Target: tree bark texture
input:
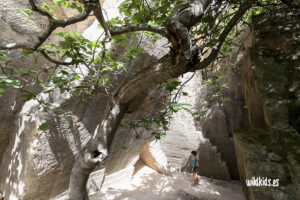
(178, 25)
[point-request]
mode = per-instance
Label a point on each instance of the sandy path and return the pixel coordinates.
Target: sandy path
(147, 184)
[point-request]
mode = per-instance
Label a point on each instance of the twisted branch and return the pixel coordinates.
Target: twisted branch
(233, 21)
(134, 28)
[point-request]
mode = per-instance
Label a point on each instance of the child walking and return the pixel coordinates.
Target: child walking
(194, 165)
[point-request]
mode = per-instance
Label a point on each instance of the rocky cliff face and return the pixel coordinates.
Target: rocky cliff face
(15, 28)
(210, 136)
(269, 146)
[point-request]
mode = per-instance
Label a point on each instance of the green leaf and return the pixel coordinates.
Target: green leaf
(76, 76)
(48, 91)
(162, 110)
(26, 12)
(123, 125)
(57, 2)
(13, 69)
(68, 118)
(43, 85)
(27, 52)
(99, 26)
(170, 85)
(64, 72)
(67, 3)
(132, 52)
(75, 6)
(28, 96)
(47, 8)
(80, 9)
(153, 133)
(6, 81)
(158, 134)
(175, 107)
(35, 57)
(44, 126)
(107, 69)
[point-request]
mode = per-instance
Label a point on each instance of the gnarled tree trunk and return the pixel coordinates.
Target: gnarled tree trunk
(178, 26)
(97, 148)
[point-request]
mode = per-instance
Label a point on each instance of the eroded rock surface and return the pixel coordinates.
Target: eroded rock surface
(211, 137)
(269, 147)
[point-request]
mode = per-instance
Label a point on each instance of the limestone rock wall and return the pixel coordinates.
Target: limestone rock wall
(211, 137)
(216, 130)
(16, 28)
(153, 156)
(210, 162)
(182, 136)
(13, 25)
(269, 146)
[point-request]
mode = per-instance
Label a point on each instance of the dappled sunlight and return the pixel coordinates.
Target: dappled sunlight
(15, 167)
(148, 184)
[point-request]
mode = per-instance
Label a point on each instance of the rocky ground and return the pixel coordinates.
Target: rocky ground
(147, 184)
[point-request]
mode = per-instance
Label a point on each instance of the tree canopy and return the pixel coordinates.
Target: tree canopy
(211, 37)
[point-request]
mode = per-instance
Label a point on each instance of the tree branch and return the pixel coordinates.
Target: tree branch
(53, 24)
(53, 60)
(97, 9)
(14, 46)
(39, 10)
(134, 28)
(233, 21)
(89, 7)
(179, 23)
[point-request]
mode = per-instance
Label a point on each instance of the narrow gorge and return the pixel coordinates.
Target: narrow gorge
(236, 101)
